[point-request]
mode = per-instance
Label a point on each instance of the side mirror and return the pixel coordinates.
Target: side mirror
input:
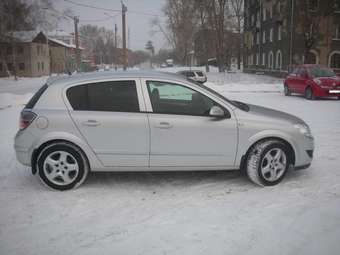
(217, 112)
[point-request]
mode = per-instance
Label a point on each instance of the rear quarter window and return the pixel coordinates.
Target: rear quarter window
(32, 102)
(77, 96)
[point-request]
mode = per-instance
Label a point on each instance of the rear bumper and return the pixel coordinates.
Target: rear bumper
(23, 156)
(23, 147)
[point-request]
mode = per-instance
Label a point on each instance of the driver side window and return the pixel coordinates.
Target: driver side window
(171, 98)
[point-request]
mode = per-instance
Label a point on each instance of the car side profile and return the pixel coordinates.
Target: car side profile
(152, 121)
(312, 81)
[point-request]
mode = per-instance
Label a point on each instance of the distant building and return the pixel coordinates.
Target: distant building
(62, 56)
(26, 51)
(278, 34)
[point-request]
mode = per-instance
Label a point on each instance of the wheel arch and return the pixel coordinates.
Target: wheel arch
(292, 151)
(44, 144)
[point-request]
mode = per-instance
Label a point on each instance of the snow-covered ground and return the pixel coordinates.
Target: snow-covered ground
(179, 213)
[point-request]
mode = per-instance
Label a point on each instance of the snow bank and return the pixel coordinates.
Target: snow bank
(22, 86)
(8, 100)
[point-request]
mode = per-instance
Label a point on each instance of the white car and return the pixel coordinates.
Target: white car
(195, 75)
(135, 121)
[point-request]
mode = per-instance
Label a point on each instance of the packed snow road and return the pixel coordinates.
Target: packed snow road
(179, 213)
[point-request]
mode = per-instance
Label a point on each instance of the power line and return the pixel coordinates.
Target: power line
(92, 6)
(94, 20)
(111, 10)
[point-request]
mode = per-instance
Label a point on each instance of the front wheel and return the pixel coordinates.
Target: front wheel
(62, 166)
(268, 162)
(309, 94)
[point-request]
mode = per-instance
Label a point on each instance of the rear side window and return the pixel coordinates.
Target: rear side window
(115, 96)
(36, 97)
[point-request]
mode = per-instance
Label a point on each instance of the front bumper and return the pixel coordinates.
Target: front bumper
(304, 152)
(326, 92)
(302, 167)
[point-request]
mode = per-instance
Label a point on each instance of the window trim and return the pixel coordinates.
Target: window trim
(330, 59)
(140, 97)
(219, 102)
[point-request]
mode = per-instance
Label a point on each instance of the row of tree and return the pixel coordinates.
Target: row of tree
(186, 18)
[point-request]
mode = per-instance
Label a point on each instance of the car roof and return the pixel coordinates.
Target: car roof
(93, 76)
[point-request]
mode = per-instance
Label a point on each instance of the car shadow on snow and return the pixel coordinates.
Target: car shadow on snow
(173, 178)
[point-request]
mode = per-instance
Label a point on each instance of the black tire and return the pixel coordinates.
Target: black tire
(339, 98)
(74, 154)
(309, 94)
(255, 161)
(286, 90)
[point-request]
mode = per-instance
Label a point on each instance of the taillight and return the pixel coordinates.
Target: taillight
(26, 118)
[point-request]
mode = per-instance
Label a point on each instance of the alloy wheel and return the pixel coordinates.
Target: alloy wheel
(274, 164)
(60, 168)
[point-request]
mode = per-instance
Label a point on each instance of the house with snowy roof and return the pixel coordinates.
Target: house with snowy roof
(24, 53)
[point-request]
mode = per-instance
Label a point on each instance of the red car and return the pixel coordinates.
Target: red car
(312, 81)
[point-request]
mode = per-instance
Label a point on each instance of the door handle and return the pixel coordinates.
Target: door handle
(91, 123)
(164, 125)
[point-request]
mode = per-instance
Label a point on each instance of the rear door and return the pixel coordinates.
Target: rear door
(109, 114)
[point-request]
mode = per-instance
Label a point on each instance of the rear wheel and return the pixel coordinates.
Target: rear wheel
(62, 166)
(268, 162)
(286, 90)
(309, 94)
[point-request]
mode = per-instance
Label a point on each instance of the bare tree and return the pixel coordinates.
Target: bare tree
(181, 24)
(202, 9)
(237, 7)
(149, 46)
(309, 23)
(218, 12)
(14, 15)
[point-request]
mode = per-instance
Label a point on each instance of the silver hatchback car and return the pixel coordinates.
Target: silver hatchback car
(135, 121)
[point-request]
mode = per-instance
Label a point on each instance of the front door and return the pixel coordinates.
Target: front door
(182, 132)
(108, 115)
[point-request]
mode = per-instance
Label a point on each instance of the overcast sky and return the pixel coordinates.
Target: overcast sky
(139, 15)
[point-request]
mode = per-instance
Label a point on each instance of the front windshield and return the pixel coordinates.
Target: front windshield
(317, 72)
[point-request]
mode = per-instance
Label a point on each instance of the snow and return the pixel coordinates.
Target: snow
(178, 212)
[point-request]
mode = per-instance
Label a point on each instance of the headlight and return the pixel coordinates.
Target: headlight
(317, 81)
(304, 129)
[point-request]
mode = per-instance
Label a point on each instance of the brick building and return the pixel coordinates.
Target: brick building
(279, 34)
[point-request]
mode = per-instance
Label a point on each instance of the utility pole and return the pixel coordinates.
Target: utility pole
(128, 38)
(124, 10)
(116, 29)
(76, 35)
